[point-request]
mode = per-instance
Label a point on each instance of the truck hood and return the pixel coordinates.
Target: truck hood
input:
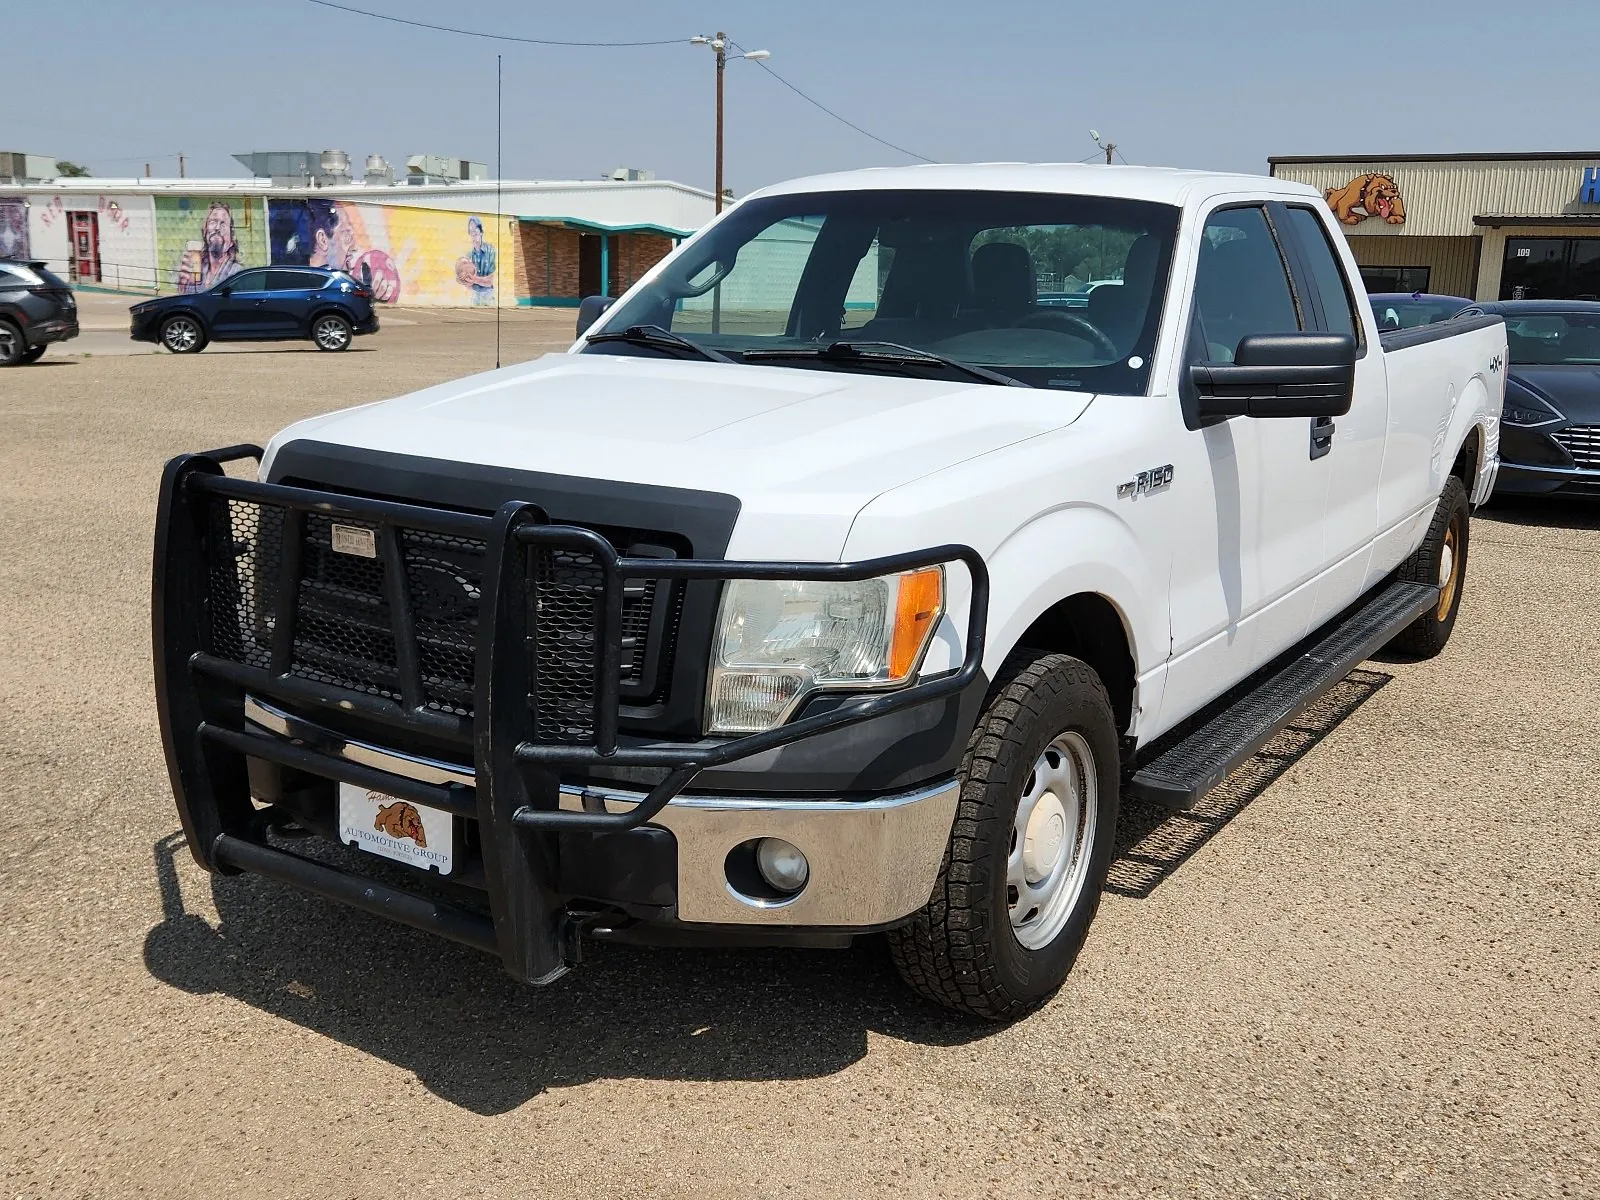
(804, 449)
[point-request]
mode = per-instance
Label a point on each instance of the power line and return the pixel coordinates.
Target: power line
(505, 37)
(499, 37)
(815, 103)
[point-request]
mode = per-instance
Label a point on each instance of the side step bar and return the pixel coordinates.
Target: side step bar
(1180, 775)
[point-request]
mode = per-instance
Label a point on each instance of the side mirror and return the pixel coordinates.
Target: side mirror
(591, 309)
(1279, 375)
(224, 290)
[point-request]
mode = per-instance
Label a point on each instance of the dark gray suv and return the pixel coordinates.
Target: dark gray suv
(36, 308)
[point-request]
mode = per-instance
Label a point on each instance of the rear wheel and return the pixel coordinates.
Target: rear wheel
(331, 332)
(12, 346)
(1029, 849)
(1441, 560)
(183, 334)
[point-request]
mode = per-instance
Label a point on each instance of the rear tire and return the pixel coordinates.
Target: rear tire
(1024, 866)
(183, 334)
(12, 346)
(331, 332)
(31, 356)
(1441, 560)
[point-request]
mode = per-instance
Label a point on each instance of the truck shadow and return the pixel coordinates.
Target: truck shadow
(1153, 842)
(478, 1039)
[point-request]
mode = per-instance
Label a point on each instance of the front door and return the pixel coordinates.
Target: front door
(1245, 589)
(241, 305)
(83, 235)
(589, 265)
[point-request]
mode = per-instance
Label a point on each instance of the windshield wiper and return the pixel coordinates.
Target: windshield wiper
(658, 338)
(845, 352)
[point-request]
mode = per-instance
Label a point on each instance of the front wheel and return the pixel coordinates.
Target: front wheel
(1029, 849)
(183, 334)
(1441, 560)
(331, 332)
(12, 347)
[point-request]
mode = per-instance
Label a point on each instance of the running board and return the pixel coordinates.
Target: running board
(1180, 775)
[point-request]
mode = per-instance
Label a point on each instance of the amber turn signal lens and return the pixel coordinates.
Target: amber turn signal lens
(917, 611)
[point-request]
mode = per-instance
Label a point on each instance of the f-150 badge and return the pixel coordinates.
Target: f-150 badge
(1146, 481)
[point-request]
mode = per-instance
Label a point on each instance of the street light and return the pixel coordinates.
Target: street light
(720, 45)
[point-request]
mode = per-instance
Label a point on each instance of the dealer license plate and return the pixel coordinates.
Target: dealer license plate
(395, 828)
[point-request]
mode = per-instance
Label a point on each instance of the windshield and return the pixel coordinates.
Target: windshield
(1554, 339)
(1052, 290)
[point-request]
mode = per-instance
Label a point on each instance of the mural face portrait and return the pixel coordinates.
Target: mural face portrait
(218, 234)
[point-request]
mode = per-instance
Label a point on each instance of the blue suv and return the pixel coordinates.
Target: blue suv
(261, 304)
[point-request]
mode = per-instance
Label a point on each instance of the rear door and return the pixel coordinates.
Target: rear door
(1353, 445)
(289, 303)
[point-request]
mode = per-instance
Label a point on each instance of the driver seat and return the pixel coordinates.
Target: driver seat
(1003, 283)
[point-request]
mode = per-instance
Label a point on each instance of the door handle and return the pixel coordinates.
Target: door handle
(1321, 436)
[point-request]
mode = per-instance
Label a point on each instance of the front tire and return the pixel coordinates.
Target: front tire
(331, 332)
(183, 334)
(1029, 849)
(12, 346)
(1441, 560)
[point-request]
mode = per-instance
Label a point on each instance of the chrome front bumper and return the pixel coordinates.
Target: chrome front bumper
(872, 861)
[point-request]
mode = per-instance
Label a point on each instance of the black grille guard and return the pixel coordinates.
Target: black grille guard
(200, 698)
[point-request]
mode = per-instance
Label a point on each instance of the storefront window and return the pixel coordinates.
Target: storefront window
(1395, 279)
(1551, 269)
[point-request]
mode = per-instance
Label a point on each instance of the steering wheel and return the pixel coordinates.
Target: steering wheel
(1076, 326)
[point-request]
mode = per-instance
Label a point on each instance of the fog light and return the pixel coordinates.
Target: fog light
(782, 865)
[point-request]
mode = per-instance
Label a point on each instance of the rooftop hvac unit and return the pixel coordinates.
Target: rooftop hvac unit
(379, 172)
(631, 175)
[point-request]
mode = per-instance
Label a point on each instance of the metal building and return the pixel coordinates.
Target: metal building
(1485, 226)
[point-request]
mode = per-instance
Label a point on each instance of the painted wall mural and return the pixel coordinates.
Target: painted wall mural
(14, 227)
(409, 255)
(1371, 195)
(201, 242)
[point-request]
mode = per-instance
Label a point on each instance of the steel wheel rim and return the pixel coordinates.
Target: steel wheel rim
(181, 334)
(1449, 569)
(1047, 863)
(8, 343)
(331, 334)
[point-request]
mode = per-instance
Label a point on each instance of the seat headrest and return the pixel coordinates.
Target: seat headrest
(1139, 270)
(1002, 276)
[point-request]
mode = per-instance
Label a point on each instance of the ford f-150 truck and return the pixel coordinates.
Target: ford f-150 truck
(831, 583)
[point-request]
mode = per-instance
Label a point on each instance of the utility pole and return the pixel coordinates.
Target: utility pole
(147, 170)
(1111, 148)
(721, 47)
(181, 174)
(719, 44)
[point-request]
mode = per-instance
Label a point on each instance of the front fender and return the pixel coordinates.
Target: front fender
(1060, 552)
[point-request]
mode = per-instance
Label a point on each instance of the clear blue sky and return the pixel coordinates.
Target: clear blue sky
(1188, 84)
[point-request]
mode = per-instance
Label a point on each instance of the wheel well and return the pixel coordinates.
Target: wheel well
(330, 309)
(1088, 627)
(1466, 464)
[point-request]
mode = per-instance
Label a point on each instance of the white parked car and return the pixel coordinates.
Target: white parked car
(829, 584)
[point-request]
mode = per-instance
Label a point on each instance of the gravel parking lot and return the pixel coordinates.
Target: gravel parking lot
(1368, 967)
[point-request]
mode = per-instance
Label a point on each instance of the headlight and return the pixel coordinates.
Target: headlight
(1519, 413)
(779, 640)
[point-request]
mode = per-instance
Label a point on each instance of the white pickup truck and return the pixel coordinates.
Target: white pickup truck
(839, 580)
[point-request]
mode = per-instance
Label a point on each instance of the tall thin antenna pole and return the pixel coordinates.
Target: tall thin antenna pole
(499, 220)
